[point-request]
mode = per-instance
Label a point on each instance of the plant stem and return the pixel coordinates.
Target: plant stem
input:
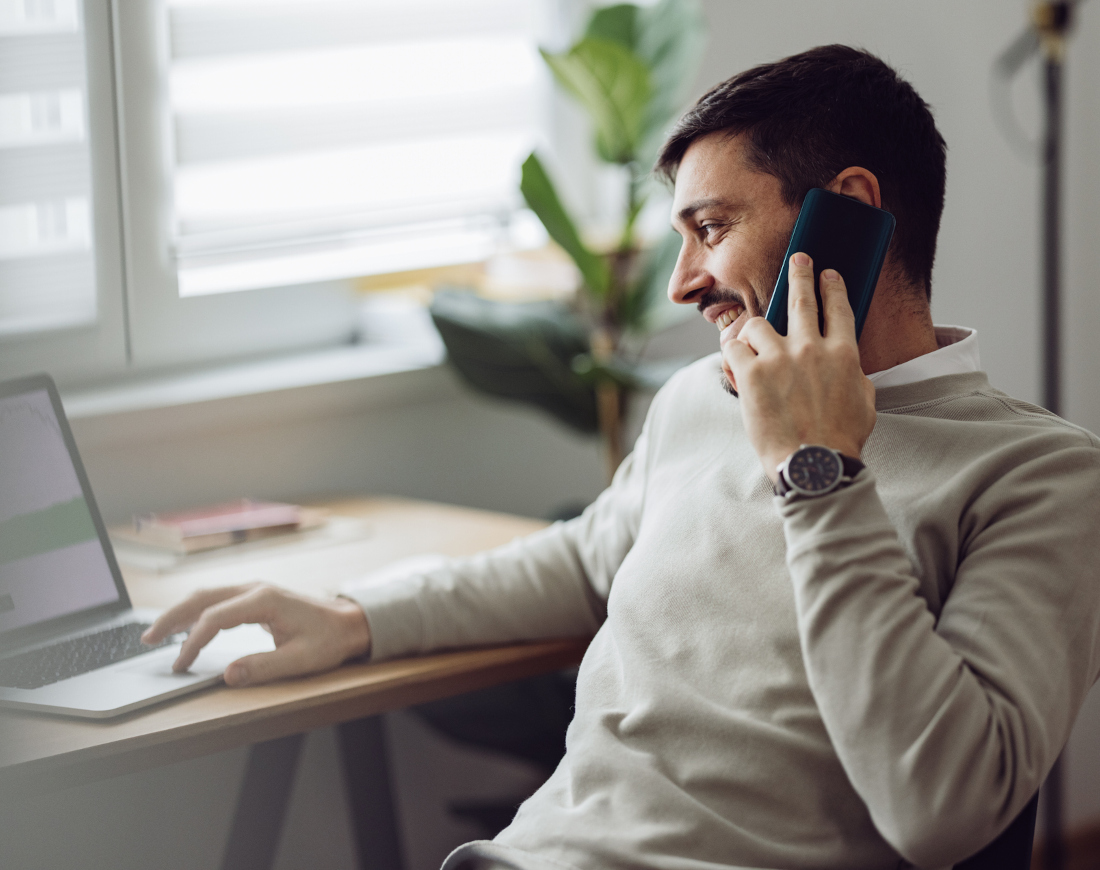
(608, 332)
(634, 203)
(608, 402)
(623, 258)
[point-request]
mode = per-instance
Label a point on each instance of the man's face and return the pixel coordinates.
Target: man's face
(735, 226)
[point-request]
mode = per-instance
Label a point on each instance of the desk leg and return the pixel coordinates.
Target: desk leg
(261, 806)
(371, 798)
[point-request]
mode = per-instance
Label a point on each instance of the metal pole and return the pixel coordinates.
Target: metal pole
(1052, 20)
(1052, 207)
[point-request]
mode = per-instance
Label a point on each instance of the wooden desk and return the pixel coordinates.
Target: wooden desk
(40, 753)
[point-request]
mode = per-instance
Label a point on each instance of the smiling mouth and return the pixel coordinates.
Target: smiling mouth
(728, 316)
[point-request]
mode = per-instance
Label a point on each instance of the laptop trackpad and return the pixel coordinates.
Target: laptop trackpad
(216, 656)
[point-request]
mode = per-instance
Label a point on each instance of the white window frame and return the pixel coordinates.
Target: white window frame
(165, 329)
(73, 354)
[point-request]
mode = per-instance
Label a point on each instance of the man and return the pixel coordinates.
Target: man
(881, 673)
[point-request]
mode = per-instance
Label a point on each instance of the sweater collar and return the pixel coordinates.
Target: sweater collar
(905, 396)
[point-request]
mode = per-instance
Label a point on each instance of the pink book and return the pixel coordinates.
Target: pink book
(218, 525)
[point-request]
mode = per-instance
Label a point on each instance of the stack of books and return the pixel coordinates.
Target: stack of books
(208, 528)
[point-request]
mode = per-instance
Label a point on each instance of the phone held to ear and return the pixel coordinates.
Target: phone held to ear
(841, 233)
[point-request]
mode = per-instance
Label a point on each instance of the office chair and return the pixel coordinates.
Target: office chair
(1012, 849)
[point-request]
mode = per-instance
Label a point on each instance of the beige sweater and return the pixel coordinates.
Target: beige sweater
(889, 670)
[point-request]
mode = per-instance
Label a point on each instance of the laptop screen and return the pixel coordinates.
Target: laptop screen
(52, 563)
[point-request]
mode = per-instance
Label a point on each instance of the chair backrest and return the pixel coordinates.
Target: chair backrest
(1012, 849)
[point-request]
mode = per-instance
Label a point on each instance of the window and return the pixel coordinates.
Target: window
(47, 271)
(328, 139)
(61, 301)
(253, 155)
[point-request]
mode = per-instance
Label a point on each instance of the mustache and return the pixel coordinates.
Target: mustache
(718, 296)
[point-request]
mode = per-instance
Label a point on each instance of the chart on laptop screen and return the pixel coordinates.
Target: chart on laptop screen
(51, 560)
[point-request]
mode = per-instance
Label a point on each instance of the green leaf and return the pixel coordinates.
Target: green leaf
(614, 87)
(671, 36)
(542, 199)
(616, 24)
(519, 351)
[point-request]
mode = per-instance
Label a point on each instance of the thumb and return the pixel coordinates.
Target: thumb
(264, 667)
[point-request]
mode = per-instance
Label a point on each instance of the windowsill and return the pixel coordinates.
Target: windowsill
(340, 380)
(349, 363)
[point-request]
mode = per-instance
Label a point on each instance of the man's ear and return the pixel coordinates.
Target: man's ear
(858, 183)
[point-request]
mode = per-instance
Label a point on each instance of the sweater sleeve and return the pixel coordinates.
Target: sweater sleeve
(946, 727)
(553, 583)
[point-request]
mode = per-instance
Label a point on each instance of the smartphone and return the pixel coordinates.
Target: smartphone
(840, 233)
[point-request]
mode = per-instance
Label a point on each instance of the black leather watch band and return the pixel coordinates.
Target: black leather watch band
(852, 466)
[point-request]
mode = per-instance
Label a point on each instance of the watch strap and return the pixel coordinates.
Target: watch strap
(852, 467)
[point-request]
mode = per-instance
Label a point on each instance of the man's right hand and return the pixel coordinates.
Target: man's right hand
(310, 634)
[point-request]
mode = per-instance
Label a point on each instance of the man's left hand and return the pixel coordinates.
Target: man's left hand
(804, 388)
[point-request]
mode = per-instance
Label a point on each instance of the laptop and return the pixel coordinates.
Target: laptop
(69, 639)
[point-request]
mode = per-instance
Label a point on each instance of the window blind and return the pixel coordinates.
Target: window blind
(47, 268)
(328, 139)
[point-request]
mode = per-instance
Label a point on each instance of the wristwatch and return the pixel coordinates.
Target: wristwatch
(814, 470)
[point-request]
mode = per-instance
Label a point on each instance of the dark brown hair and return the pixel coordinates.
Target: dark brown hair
(811, 115)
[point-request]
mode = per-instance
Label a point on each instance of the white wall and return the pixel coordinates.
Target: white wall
(454, 446)
(466, 449)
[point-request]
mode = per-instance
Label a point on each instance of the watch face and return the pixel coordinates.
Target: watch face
(814, 469)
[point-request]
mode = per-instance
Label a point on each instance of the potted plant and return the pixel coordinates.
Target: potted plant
(631, 70)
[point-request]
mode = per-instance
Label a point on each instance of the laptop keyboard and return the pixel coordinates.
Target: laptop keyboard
(70, 658)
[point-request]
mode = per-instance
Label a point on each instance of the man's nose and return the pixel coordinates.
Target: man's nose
(688, 279)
